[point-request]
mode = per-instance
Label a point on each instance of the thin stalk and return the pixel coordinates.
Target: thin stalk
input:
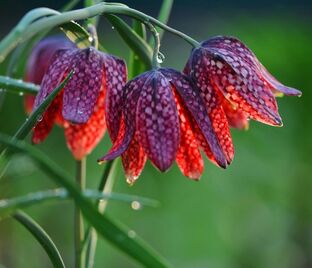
(24, 31)
(79, 225)
(156, 54)
(106, 185)
(42, 237)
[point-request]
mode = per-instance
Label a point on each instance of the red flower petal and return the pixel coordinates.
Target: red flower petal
(157, 121)
(133, 161)
(41, 55)
(246, 90)
(82, 138)
(132, 91)
(45, 125)
(188, 157)
(213, 106)
(236, 54)
(29, 101)
(116, 77)
(82, 91)
(55, 74)
(236, 118)
(206, 122)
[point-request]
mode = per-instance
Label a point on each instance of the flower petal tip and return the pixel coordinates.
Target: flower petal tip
(100, 161)
(194, 176)
(131, 179)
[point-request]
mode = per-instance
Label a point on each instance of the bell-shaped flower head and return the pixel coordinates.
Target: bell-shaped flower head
(246, 90)
(81, 106)
(164, 119)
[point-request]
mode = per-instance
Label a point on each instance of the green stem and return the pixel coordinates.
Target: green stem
(24, 31)
(156, 54)
(106, 185)
(79, 225)
(42, 237)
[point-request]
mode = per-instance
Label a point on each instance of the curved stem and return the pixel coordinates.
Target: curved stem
(26, 31)
(155, 61)
(106, 185)
(42, 237)
(79, 225)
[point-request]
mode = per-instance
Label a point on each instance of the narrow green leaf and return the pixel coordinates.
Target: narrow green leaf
(164, 15)
(42, 237)
(114, 232)
(94, 20)
(9, 206)
(17, 86)
(135, 66)
(36, 114)
(77, 34)
(133, 40)
(70, 5)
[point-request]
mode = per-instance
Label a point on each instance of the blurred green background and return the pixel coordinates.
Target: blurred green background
(257, 213)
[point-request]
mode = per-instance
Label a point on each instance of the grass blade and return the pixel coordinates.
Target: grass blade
(9, 206)
(42, 237)
(17, 86)
(133, 40)
(77, 34)
(164, 15)
(33, 118)
(135, 65)
(114, 232)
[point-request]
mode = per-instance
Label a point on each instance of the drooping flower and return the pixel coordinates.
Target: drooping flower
(168, 116)
(165, 119)
(39, 61)
(82, 105)
(225, 67)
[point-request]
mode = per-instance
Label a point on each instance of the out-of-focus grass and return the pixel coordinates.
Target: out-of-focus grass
(255, 214)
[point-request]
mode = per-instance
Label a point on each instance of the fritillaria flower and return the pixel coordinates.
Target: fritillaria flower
(82, 105)
(39, 61)
(165, 119)
(169, 116)
(242, 87)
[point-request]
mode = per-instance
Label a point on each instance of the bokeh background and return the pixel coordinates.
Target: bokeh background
(257, 213)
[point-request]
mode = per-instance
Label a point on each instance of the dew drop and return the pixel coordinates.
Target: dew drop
(39, 118)
(90, 39)
(80, 112)
(131, 234)
(21, 94)
(113, 28)
(160, 57)
(136, 205)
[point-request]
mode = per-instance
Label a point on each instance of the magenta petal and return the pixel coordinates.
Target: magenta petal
(132, 91)
(196, 107)
(241, 86)
(41, 55)
(116, 77)
(237, 55)
(157, 121)
(54, 75)
(82, 91)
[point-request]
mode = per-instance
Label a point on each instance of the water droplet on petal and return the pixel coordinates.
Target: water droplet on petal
(39, 118)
